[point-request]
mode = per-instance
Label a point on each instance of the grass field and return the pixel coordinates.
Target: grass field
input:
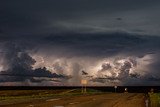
(17, 96)
(12, 97)
(14, 94)
(154, 99)
(71, 98)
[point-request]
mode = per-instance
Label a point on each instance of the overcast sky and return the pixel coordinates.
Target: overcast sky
(108, 39)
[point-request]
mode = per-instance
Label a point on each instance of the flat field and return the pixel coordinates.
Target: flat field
(154, 99)
(69, 98)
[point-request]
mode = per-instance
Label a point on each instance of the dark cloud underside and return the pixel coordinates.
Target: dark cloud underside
(70, 29)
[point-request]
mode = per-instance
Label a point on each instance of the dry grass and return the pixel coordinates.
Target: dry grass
(154, 99)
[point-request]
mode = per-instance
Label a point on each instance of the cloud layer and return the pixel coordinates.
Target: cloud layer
(51, 42)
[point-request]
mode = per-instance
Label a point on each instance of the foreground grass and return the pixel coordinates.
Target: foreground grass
(17, 96)
(154, 99)
(20, 94)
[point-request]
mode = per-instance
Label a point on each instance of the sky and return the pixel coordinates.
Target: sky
(61, 42)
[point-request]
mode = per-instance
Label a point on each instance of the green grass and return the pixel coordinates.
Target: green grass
(154, 99)
(18, 96)
(23, 94)
(40, 94)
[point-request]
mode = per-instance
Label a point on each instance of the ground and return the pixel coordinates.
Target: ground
(70, 98)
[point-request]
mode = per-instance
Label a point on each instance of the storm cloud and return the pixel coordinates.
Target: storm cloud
(105, 44)
(53, 41)
(18, 66)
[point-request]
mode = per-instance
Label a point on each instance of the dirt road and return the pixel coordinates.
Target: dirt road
(102, 100)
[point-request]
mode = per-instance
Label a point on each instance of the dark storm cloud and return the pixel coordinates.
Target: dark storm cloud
(154, 75)
(125, 68)
(1, 31)
(106, 67)
(128, 76)
(19, 66)
(58, 67)
(105, 44)
(41, 74)
(37, 17)
(134, 75)
(80, 45)
(76, 28)
(21, 76)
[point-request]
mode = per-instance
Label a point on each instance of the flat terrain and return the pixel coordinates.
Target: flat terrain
(154, 99)
(85, 100)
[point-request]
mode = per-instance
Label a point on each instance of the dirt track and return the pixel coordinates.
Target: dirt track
(103, 100)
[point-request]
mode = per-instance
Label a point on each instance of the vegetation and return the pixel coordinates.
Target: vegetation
(20, 94)
(154, 99)
(34, 94)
